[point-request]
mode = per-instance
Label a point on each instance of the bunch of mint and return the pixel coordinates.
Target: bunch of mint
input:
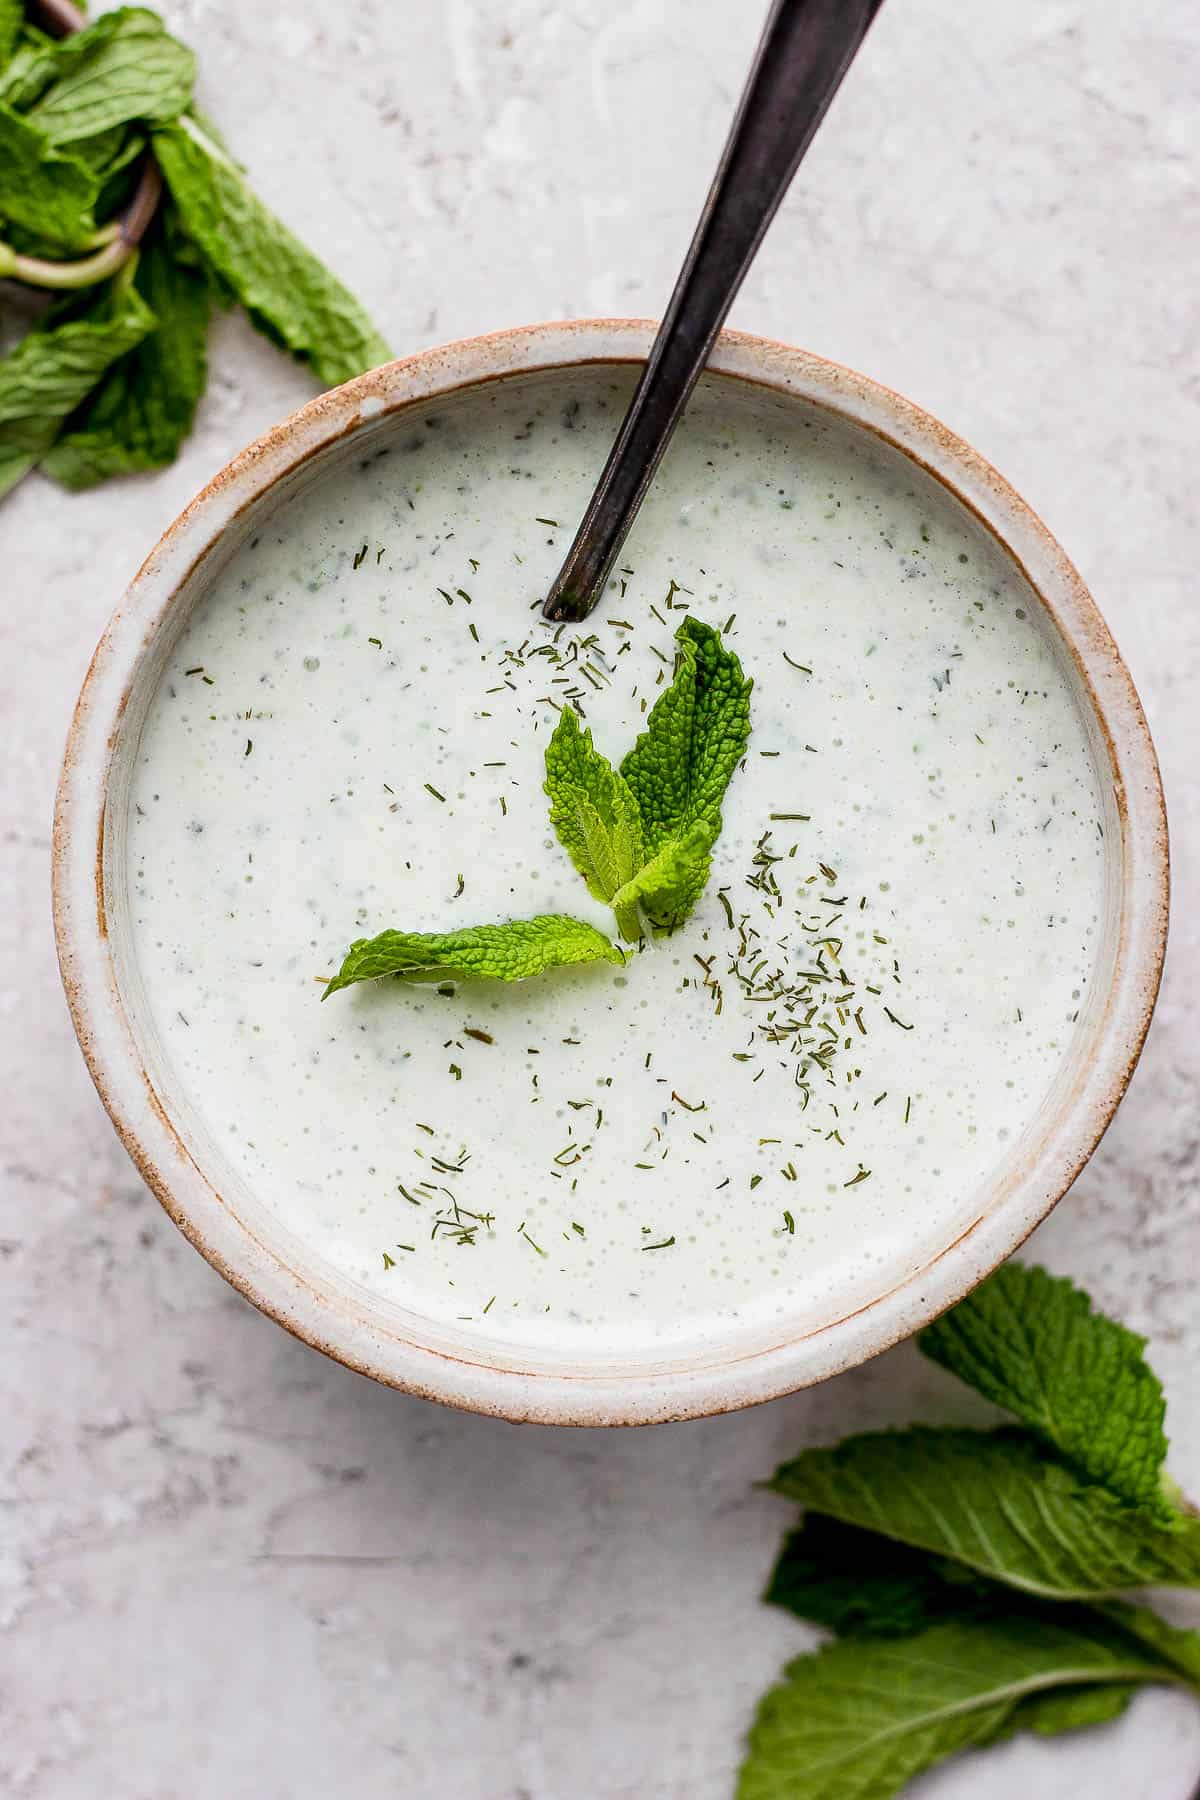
(640, 836)
(106, 382)
(972, 1578)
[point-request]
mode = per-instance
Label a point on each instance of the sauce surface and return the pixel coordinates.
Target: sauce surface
(769, 1112)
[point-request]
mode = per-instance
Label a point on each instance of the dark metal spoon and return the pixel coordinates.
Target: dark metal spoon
(805, 49)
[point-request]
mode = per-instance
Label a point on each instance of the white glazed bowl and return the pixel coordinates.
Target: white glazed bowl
(251, 1247)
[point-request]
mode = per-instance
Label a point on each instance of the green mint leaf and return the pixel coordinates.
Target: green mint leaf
(124, 66)
(12, 18)
(143, 409)
(100, 151)
(509, 952)
(1031, 1342)
(592, 810)
(1172, 1643)
(119, 176)
(858, 1584)
(52, 371)
(669, 885)
(30, 71)
(288, 294)
(1067, 1709)
(694, 738)
(49, 195)
(996, 1502)
(863, 1717)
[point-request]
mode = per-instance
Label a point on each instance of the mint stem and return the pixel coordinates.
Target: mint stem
(36, 271)
(117, 243)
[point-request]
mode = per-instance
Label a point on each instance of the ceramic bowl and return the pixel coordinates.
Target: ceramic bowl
(250, 1246)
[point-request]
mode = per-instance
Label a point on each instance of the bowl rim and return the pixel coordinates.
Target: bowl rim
(344, 1329)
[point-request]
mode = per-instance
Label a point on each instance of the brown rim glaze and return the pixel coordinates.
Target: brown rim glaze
(254, 1251)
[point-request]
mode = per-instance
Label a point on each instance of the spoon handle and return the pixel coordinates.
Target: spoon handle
(805, 49)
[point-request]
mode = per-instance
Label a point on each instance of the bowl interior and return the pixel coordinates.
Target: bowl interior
(701, 1363)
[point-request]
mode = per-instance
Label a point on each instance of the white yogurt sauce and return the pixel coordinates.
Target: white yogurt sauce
(349, 736)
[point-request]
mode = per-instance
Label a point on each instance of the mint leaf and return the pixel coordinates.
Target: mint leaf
(694, 738)
(1067, 1709)
(641, 837)
(101, 150)
(669, 885)
(858, 1584)
(50, 195)
(1030, 1342)
(1174, 1645)
(861, 1718)
(124, 66)
(51, 371)
(509, 952)
(288, 294)
(997, 1503)
(12, 17)
(141, 412)
(30, 71)
(593, 811)
(119, 174)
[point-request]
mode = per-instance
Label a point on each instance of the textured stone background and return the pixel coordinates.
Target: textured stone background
(229, 1567)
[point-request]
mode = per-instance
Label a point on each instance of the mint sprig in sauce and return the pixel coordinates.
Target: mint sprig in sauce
(641, 836)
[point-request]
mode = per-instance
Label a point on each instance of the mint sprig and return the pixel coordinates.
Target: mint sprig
(971, 1576)
(83, 395)
(661, 813)
(644, 851)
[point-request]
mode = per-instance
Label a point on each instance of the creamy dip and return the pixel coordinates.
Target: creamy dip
(774, 1111)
